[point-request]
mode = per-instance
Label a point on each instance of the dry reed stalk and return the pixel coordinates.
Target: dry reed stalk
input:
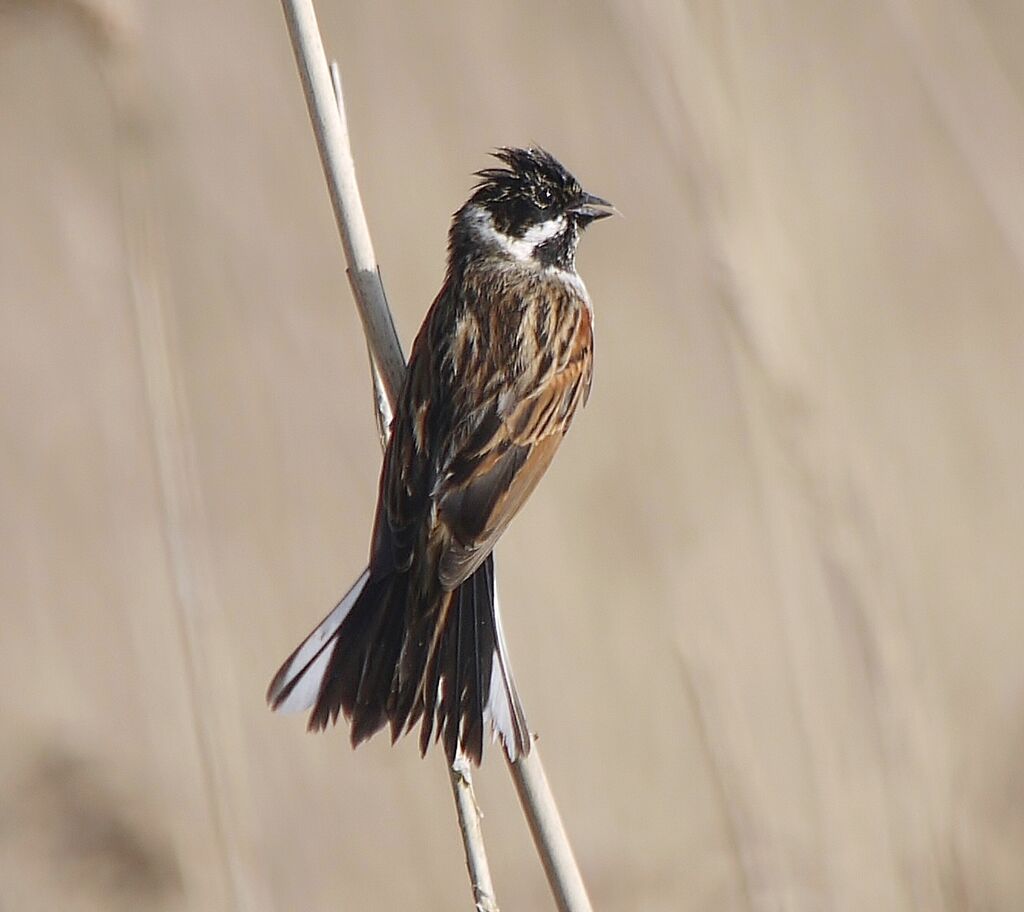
(387, 363)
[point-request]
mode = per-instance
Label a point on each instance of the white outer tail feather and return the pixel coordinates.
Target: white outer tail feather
(302, 677)
(498, 711)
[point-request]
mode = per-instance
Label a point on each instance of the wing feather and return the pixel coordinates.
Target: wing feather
(489, 485)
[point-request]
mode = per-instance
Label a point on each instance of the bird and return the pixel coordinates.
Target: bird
(498, 370)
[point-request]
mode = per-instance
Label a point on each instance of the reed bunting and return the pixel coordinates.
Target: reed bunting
(497, 372)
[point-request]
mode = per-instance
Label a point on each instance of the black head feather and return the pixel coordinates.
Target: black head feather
(533, 189)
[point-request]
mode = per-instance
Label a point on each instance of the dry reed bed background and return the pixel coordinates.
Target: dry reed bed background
(781, 550)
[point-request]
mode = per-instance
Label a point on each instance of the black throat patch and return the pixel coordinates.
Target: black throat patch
(559, 251)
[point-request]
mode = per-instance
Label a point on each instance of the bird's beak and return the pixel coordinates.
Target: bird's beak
(591, 208)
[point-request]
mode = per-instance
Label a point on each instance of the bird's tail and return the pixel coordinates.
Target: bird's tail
(381, 660)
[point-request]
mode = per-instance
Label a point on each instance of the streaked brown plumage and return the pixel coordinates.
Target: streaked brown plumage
(497, 372)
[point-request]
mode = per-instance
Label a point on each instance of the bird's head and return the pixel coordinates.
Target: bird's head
(531, 211)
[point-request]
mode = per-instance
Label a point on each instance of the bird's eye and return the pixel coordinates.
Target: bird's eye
(545, 197)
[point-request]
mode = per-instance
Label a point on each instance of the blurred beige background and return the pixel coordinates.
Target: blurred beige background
(766, 611)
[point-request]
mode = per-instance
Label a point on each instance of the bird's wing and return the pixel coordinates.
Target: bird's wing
(470, 441)
(499, 464)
